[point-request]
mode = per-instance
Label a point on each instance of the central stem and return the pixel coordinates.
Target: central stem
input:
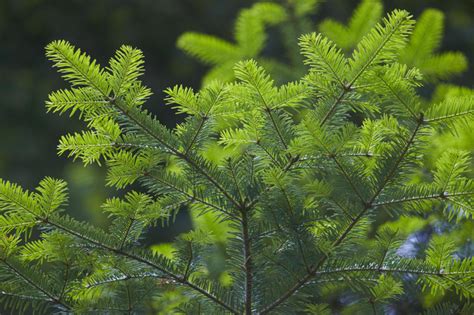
(247, 264)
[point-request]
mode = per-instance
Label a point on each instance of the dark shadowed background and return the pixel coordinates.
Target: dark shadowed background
(28, 135)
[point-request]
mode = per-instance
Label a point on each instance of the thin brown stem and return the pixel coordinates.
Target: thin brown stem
(268, 110)
(348, 179)
(247, 264)
(190, 260)
(66, 280)
(127, 231)
(333, 107)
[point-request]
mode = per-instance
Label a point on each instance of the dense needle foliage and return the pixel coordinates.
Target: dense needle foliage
(293, 181)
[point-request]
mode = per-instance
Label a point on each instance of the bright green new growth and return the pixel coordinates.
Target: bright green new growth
(420, 51)
(250, 38)
(365, 16)
(292, 21)
(294, 182)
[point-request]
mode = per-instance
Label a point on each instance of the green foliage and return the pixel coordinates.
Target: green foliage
(292, 21)
(250, 38)
(288, 185)
(365, 16)
(424, 42)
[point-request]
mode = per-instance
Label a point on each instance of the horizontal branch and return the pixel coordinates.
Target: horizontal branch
(24, 296)
(436, 119)
(129, 277)
(393, 270)
(442, 195)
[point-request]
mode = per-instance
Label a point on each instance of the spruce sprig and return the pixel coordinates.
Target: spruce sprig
(293, 182)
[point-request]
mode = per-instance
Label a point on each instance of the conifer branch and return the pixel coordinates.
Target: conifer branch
(344, 210)
(67, 58)
(204, 118)
(25, 297)
(294, 227)
(173, 150)
(401, 100)
(267, 107)
(275, 126)
(394, 168)
(52, 298)
(194, 197)
(349, 86)
(293, 160)
(119, 251)
(267, 152)
(442, 196)
(196, 135)
(234, 179)
(348, 179)
(380, 47)
(267, 184)
(66, 280)
(190, 260)
(341, 168)
(382, 269)
(446, 117)
(268, 111)
(127, 231)
(334, 106)
(313, 270)
(175, 277)
(127, 277)
(282, 266)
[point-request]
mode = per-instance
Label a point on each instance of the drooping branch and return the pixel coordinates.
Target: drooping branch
(384, 269)
(442, 196)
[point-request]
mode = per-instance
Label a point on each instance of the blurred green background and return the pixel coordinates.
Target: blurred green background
(29, 135)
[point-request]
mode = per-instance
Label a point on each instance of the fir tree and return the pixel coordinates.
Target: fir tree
(295, 185)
